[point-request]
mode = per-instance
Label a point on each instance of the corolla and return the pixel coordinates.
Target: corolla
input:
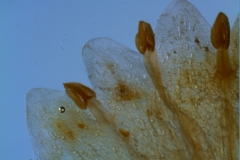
(178, 99)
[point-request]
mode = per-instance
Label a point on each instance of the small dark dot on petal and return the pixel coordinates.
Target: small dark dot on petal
(61, 109)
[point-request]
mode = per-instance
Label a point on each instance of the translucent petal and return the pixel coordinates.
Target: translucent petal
(73, 134)
(234, 45)
(188, 67)
(123, 86)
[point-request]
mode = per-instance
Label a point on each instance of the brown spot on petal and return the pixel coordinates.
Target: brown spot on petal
(65, 131)
(196, 40)
(124, 133)
(81, 125)
(125, 93)
(68, 127)
(110, 65)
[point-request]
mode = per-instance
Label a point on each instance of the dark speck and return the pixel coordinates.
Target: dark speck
(196, 40)
(206, 48)
(61, 109)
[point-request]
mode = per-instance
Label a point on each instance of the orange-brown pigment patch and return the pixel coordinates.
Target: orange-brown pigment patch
(81, 125)
(68, 127)
(149, 113)
(125, 93)
(63, 129)
(124, 133)
(110, 65)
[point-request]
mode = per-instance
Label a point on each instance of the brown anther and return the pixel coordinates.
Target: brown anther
(220, 32)
(79, 93)
(145, 38)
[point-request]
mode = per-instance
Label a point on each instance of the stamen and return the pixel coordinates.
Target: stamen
(145, 43)
(220, 32)
(220, 38)
(79, 93)
(145, 37)
(84, 98)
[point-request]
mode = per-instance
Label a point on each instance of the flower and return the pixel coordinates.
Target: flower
(176, 100)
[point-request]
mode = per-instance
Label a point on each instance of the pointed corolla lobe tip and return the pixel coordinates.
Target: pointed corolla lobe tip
(220, 32)
(79, 93)
(144, 39)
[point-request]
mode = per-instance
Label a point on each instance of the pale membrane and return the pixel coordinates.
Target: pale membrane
(126, 91)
